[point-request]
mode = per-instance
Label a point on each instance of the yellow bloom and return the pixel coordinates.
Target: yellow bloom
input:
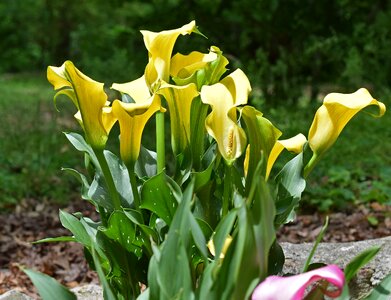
(179, 100)
(198, 67)
(294, 144)
(221, 123)
(94, 114)
(332, 117)
(160, 46)
(133, 117)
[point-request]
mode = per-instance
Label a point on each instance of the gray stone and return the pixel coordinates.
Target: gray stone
(14, 295)
(340, 254)
(88, 292)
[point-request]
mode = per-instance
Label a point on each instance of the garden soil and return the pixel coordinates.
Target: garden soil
(32, 220)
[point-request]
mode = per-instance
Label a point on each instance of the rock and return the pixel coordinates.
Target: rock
(14, 295)
(88, 292)
(341, 253)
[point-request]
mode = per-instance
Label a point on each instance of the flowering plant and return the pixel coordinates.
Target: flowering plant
(206, 227)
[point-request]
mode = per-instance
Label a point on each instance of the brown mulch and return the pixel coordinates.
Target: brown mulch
(32, 220)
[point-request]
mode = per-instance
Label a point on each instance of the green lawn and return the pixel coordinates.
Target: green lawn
(33, 149)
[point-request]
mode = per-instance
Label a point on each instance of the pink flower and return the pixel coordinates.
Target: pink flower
(293, 287)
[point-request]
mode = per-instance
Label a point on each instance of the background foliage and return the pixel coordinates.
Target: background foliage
(293, 51)
(285, 46)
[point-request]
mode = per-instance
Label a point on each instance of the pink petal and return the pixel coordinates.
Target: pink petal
(293, 287)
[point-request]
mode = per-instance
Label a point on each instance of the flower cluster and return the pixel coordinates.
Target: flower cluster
(202, 226)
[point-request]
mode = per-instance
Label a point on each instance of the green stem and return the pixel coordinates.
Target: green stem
(227, 192)
(311, 164)
(108, 178)
(133, 184)
(160, 143)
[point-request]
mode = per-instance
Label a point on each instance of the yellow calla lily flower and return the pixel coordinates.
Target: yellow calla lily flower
(94, 114)
(227, 243)
(198, 67)
(331, 118)
(179, 100)
(132, 118)
(294, 144)
(221, 123)
(160, 46)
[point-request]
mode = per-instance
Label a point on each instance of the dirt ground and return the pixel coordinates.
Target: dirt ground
(32, 220)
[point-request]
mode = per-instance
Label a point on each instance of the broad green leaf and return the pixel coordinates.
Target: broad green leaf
(276, 259)
(85, 186)
(122, 230)
(146, 165)
(48, 287)
(359, 261)
(121, 179)
(203, 177)
(161, 195)
(81, 145)
(76, 227)
(381, 291)
(291, 184)
(56, 239)
(98, 193)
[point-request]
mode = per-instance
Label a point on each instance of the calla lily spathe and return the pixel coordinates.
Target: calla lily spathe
(160, 46)
(293, 287)
(133, 117)
(294, 144)
(179, 100)
(199, 68)
(331, 118)
(224, 98)
(95, 114)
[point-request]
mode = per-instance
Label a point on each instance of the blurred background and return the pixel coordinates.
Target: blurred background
(294, 53)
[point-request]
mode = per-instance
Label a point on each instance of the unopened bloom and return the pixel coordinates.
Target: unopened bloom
(294, 287)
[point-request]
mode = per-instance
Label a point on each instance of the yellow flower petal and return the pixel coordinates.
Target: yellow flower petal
(179, 100)
(294, 144)
(160, 46)
(132, 125)
(334, 114)
(137, 89)
(223, 97)
(89, 97)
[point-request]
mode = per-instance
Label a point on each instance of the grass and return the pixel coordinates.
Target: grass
(33, 149)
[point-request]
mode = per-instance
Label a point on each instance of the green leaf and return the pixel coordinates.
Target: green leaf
(291, 184)
(81, 145)
(359, 261)
(276, 259)
(161, 195)
(121, 179)
(202, 178)
(146, 165)
(85, 186)
(56, 239)
(48, 287)
(381, 291)
(223, 230)
(123, 231)
(74, 225)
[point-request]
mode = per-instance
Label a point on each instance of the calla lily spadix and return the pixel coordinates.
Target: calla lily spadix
(331, 118)
(294, 287)
(160, 46)
(179, 100)
(221, 123)
(199, 68)
(95, 114)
